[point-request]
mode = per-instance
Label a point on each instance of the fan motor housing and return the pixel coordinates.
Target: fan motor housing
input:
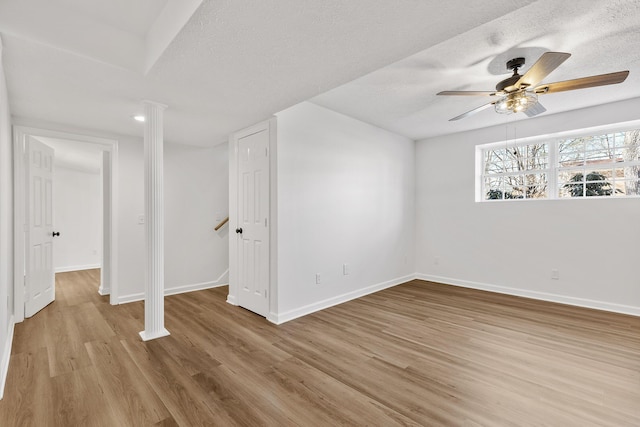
(510, 81)
(512, 65)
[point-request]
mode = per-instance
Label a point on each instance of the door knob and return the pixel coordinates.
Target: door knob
(55, 233)
(239, 230)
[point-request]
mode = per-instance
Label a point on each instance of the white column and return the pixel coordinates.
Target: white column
(154, 213)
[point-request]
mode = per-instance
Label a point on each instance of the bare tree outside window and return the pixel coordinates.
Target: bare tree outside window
(606, 165)
(586, 165)
(631, 153)
(516, 172)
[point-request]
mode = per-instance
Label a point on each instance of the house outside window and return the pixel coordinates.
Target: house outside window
(596, 165)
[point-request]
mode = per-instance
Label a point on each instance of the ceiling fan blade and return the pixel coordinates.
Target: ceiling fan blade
(535, 110)
(582, 83)
(548, 62)
(467, 93)
(471, 112)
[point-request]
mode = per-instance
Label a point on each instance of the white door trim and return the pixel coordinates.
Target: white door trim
(110, 224)
(232, 298)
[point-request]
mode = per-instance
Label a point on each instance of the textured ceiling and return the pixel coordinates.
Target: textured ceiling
(225, 64)
(133, 16)
(602, 37)
(234, 62)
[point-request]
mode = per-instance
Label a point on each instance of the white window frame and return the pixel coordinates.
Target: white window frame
(546, 171)
(553, 169)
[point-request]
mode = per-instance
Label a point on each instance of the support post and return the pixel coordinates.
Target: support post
(154, 213)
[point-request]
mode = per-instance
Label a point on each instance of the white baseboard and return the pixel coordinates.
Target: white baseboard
(280, 318)
(6, 356)
(124, 299)
(194, 287)
(76, 268)
(272, 317)
(222, 281)
(544, 296)
(231, 299)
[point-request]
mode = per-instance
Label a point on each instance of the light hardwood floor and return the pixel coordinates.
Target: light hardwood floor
(417, 354)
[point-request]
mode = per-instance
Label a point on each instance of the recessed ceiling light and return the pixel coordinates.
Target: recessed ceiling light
(138, 118)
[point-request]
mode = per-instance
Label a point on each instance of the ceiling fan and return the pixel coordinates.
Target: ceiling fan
(519, 93)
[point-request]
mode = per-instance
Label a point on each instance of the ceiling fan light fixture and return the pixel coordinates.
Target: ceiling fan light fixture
(516, 102)
(519, 93)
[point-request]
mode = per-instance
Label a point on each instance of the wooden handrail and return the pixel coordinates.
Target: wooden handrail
(223, 222)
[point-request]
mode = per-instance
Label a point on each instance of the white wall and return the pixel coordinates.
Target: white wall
(6, 229)
(512, 246)
(77, 210)
(196, 199)
(131, 245)
(345, 195)
(195, 196)
(196, 189)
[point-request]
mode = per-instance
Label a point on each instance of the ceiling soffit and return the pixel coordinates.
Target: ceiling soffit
(120, 33)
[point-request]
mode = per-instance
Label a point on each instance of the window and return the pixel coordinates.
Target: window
(604, 165)
(518, 172)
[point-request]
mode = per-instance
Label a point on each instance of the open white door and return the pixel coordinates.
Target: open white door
(253, 222)
(40, 279)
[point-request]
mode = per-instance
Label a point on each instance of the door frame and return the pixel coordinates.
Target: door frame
(109, 205)
(270, 125)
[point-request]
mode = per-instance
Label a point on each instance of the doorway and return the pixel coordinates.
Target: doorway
(104, 161)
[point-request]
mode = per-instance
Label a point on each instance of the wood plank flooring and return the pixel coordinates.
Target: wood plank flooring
(416, 354)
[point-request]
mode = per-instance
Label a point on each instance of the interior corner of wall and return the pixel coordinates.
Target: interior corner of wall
(231, 299)
(273, 318)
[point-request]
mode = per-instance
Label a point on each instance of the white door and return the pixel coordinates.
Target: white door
(253, 222)
(40, 279)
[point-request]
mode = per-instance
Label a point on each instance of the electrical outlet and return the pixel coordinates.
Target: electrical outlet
(555, 274)
(140, 219)
(317, 278)
(345, 269)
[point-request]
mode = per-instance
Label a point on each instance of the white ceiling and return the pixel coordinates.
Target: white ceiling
(602, 36)
(133, 16)
(222, 65)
